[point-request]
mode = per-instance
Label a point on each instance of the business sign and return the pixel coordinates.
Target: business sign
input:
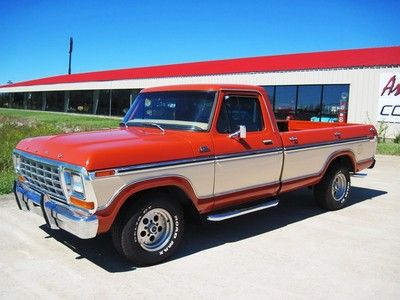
(389, 98)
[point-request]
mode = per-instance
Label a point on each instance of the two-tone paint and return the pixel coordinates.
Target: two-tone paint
(213, 170)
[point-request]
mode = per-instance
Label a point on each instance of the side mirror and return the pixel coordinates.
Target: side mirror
(240, 134)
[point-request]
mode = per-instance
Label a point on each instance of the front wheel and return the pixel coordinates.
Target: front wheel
(151, 232)
(333, 190)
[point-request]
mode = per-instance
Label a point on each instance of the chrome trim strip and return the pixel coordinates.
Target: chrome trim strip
(249, 153)
(323, 144)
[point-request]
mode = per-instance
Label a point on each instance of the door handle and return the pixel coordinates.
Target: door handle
(293, 139)
(267, 142)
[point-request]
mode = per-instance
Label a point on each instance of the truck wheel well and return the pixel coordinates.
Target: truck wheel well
(172, 191)
(345, 161)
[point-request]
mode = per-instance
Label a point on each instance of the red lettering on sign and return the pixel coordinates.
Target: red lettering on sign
(391, 87)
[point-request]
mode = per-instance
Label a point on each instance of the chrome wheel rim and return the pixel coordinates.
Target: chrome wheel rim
(155, 229)
(339, 186)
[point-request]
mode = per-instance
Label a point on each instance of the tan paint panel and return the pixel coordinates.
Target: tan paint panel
(241, 173)
(311, 161)
(200, 176)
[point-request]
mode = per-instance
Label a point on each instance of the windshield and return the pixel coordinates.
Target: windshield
(184, 110)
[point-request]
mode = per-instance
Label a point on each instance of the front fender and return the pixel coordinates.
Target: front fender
(108, 214)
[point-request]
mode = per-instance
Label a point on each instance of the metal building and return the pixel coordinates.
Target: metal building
(361, 85)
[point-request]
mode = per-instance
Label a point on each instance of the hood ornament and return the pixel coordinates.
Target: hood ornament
(59, 155)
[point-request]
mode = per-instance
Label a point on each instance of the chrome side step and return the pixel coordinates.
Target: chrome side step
(243, 211)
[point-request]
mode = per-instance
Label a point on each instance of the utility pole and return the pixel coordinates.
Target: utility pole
(71, 46)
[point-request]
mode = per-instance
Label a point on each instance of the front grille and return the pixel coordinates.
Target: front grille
(43, 177)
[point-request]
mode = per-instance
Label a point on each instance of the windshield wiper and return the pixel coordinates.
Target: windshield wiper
(146, 123)
(158, 126)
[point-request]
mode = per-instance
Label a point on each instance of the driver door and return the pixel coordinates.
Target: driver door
(245, 168)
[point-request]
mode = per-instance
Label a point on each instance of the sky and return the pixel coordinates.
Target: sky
(34, 34)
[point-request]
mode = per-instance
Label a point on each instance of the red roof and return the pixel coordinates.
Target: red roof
(370, 57)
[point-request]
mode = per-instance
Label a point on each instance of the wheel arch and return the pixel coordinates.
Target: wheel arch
(345, 158)
(178, 187)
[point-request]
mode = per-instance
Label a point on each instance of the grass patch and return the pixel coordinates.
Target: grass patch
(388, 149)
(16, 125)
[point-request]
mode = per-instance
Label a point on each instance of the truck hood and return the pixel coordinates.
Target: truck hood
(113, 148)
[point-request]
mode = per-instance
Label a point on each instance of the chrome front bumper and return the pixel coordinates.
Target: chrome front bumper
(56, 214)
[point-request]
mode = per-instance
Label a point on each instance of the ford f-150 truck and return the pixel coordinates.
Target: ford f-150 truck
(212, 150)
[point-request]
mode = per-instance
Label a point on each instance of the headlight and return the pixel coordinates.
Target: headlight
(73, 184)
(74, 189)
(77, 184)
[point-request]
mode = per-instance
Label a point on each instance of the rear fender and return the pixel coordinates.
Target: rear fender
(312, 179)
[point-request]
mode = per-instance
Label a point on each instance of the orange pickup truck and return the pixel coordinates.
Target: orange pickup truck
(213, 150)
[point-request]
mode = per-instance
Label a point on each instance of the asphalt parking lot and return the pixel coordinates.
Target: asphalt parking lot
(294, 250)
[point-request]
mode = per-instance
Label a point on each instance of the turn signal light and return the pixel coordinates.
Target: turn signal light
(81, 203)
(104, 173)
(21, 178)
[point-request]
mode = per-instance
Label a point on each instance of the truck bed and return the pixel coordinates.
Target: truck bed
(308, 146)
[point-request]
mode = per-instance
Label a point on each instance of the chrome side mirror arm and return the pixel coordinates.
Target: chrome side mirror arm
(240, 134)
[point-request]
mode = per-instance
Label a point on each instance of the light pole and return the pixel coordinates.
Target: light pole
(71, 46)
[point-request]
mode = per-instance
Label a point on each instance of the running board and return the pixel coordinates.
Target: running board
(243, 211)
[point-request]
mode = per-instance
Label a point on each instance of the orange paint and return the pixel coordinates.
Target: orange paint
(104, 151)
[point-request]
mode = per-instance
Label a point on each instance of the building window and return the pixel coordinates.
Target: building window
(34, 101)
(317, 103)
(335, 102)
(55, 101)
(5, 100)
(270, 89)
(120, 102)
(103, 107)
(17, 100)
(81, 102)
(309, 102)
(285, 102)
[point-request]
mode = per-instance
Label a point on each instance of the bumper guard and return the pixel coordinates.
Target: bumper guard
(56, 214)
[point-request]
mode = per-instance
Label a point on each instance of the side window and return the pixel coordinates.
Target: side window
(240, 110)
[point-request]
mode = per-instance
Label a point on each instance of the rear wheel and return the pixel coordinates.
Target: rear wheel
(333, 190)
(151, 232)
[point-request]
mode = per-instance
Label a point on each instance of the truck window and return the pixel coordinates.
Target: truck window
(178, 110)
(240, 110)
